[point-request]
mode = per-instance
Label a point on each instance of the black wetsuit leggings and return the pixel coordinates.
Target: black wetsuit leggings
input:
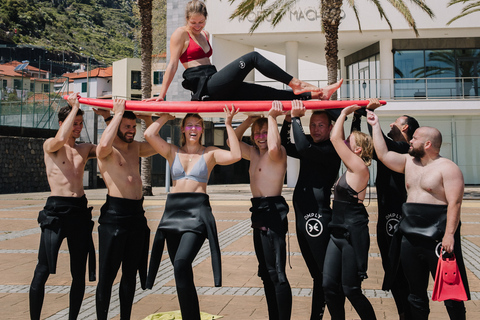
(118, 245)
(78, 248)
(313, 248)
(340, 277)
(228, 83)
(278, 295)
(419, 258)
(182, 249)
(384, 239)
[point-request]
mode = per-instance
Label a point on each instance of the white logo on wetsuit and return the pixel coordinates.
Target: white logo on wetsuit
(242, 64)
(391, 226)
(314, 227)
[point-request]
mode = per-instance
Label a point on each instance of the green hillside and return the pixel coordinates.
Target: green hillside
(104, 29)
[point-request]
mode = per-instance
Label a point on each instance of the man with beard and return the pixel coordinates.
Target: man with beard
(65, 214)
(123, 234)
(319, 166)
(391, 195)
(431, 215)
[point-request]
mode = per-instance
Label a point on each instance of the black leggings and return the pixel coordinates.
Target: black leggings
(313, 246)
(419, 258)
(340, 277)
(228, 84)
(78, 248)
(278, 294)
(182, 249)
(118, 246)
(388, 216)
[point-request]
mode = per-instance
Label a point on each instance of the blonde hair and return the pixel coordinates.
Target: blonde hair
(364, 141)
(191, 115)
(194, 7)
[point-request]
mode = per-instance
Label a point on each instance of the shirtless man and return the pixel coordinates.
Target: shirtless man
(431, 214)
(65, 214)
(268, 164)
(123, 234)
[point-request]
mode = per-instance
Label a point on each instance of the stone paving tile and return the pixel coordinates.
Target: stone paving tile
(241, 297)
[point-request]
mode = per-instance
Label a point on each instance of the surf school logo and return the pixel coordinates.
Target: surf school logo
(242, 64)
(314, 227)
(391, 225)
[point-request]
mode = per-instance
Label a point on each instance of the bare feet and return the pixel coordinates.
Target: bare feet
(298, 86)
(327, 91)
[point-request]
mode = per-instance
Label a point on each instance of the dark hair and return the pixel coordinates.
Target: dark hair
(260, 122)
(195, 6)
(412, 126)
(193, 115)
(323, 112)
(65, 111)
(129, 115)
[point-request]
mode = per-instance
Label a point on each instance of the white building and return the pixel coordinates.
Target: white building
(433, 77)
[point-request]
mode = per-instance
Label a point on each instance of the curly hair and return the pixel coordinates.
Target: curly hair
(365, 142)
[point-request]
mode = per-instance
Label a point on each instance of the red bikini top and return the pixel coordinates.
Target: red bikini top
(194, 51)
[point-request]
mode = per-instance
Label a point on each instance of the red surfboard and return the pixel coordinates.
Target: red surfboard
(153, 107)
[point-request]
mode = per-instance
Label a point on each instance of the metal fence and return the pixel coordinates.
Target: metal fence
(33, 108)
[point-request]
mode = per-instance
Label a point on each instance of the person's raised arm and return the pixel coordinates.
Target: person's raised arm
(177, 43)
(393, 160)
(275, 150)
(146, 150)
(453, 185)
(105, 146)
(224, 157)
(239, 131)
(349, 158)
(153, 137)
(65, 131)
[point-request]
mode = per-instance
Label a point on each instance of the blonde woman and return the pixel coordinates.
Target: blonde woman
(188, 220)
(347, 253)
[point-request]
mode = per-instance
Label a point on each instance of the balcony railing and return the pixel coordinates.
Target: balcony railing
(402, 88)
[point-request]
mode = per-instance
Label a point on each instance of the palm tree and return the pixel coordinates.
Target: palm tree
(471, 7)
(330, 13)
(145, 7)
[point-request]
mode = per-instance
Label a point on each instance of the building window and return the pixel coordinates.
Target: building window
(46, 87)
(84, 87)
(32, 86)
(364, 78)
(17, 84)
(136, 80)
(158, 77)
(4, 84)
(444, 73)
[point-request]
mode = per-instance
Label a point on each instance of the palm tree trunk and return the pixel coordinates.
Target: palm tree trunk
(330, 11)
(145, 7)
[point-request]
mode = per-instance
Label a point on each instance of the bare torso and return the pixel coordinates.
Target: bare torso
(266, 175)
(425, 183)
(121, 171)
(65, 169)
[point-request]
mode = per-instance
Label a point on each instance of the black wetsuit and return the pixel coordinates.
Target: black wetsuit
(270, 226)
(123, 238)
(347, 254)
(423, 228)
(63, 217)
(319, 166)
(391, 195)
(206, 83)
(186, 223)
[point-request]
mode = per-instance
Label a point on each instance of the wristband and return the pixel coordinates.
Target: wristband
(108, 119)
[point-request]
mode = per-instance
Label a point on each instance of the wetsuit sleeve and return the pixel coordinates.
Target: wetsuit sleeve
(356, 122)
(286, 141)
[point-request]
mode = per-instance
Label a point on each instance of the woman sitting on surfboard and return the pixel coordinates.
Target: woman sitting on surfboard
(188, 220)
(189, 45)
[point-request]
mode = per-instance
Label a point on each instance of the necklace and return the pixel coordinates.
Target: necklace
(196, 152)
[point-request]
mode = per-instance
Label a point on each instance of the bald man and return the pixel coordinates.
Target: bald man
(431, 220)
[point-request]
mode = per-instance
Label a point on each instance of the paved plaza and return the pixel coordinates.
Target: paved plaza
(241, 296)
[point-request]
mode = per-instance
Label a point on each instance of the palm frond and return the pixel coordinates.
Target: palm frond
(382, 13)
(406, 13)
(463, 14)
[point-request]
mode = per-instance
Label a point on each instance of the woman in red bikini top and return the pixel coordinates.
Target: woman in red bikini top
(189, 45)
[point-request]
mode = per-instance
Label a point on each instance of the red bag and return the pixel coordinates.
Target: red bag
(448, 282)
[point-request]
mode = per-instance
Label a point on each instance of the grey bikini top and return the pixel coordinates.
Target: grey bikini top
(198, 173)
